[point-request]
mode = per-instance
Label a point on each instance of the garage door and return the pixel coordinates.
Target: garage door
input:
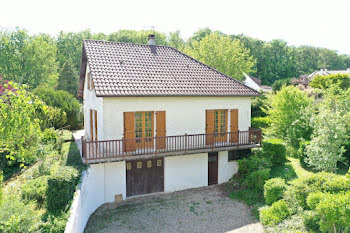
(144, 176)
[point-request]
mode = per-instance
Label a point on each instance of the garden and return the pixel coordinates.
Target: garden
(299, 180)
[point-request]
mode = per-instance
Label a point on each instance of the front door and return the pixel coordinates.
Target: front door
(144, 176)
(212, 168)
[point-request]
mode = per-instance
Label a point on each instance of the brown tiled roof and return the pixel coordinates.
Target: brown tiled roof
(123, 69)
(256, 80)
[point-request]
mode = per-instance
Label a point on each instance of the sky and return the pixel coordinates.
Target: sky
(321, 23)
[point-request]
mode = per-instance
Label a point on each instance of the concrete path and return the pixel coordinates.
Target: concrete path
(205, 209)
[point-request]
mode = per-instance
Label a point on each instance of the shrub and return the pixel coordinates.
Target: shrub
(302, 152)
(35, 190)
(52, 117)
(55, 224)
(61, 187)
(324, 82)
(260, 122)
(257, 179)
(15, 216)
(1, 177)
(311, 221)
(274, 214)
(314, 199)
(273, 190)
(63, 100)
(334, 212)
(251, 164)
(275, 150)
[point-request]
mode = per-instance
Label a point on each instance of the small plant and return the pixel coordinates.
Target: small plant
(302, 153)
(273, 190)
(274, 214)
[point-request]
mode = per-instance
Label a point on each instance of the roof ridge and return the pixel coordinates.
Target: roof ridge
(126, 43)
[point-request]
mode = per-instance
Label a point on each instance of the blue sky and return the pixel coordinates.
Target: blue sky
(299, 22)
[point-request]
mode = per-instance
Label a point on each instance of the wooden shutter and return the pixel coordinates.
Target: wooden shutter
(161, 129)
(88, 80)
(234, 125)
(95, 125)
(129, 131)
(209, 126)
(91, 126)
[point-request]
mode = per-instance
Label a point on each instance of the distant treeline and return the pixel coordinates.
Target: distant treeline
(55, 61)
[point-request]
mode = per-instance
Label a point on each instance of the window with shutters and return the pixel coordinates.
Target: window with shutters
(220, 121)
(143, 125)
(93, 125)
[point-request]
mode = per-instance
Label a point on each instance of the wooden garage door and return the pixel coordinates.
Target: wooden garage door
(144, 176)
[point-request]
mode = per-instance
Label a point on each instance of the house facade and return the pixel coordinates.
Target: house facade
(157, 120)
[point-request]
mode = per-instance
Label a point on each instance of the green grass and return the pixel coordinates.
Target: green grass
(66, 135)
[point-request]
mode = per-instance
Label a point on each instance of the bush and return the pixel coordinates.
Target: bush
(63, 100)
(15, 216)
(52, 117)
(260, 122)
(275, 150)
(35, 190)
(55, 224)
(273, 190)
(274, 214)
(311, 221)
(324, 82)
(314, 199)
(257, 179)
(251, 164)
(334, 212)
(61, 187)
(302, 152)
(1, 178)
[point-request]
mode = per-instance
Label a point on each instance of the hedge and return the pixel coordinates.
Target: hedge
(274, 214)
(257, 179)
(260, 122)
(273, 190)
(275, 150)
(61, 187)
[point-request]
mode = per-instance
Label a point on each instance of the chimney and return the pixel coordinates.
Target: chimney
(152, 39)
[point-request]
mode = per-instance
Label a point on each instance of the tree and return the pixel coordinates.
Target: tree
(28, 60)
(224, 54)
(289, 115)
(19, 126)
(68, 79)
(324, 82)
(176, 41)
(331, 131)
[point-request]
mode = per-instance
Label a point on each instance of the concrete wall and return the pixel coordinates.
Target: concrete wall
(183, 114)
(99, 185)
(226, 169)
(184, 172)
(94, 103)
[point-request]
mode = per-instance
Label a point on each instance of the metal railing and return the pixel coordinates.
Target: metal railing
(97, 150)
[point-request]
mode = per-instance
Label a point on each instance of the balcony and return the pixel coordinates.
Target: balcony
(126, 149)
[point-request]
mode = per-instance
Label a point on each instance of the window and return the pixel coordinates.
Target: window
(238, 154)
(220, 121)
(143, 125)
(90, 82)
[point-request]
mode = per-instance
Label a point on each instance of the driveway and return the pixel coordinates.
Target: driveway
(205, 209)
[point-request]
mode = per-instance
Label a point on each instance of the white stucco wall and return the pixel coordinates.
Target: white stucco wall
(183, 114)
(100, 183)
(184, 172)
(226, 169)
(250, 83)
(94, 103)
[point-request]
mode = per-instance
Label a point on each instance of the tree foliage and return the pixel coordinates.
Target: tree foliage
(289, 115)
(68, 80)
(331, 131)
(221, 52)
(324, 82)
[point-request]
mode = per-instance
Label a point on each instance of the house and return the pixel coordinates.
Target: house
(158, 120)
(255, 83)
(325, 72)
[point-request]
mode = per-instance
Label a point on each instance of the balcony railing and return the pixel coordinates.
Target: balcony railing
(188, 143)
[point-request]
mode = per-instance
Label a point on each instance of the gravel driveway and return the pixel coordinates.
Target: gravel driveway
(205, 209)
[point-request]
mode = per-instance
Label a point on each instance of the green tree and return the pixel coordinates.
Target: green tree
(28, 60)
(137, 37)
(19, 126)
(224, 54)
(324, 82)
(68, 79)
(289, 115)
(176, 41)
(331, 131)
